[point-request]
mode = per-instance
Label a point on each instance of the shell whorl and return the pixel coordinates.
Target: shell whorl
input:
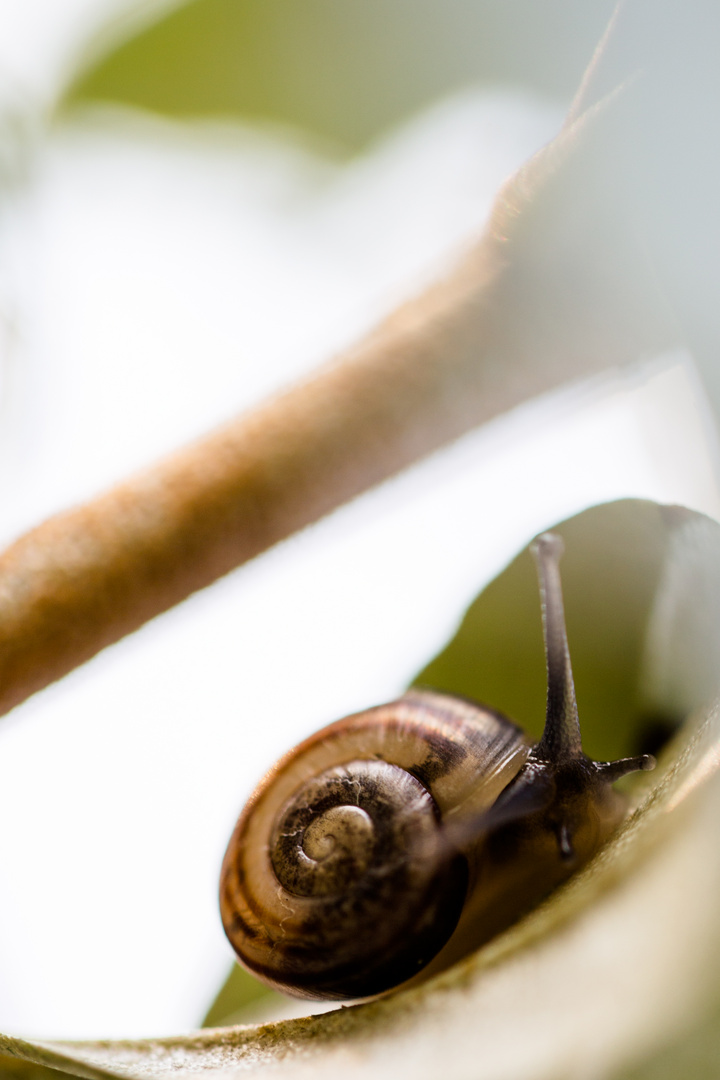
(337, 882)
(342, 825)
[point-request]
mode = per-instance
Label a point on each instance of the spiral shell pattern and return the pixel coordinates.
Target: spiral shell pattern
(336, 883)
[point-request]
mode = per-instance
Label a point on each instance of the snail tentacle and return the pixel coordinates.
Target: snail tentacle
(581, 783)
(561, 737)
(611, 771)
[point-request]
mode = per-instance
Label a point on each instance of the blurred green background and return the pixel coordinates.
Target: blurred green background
(344, 70)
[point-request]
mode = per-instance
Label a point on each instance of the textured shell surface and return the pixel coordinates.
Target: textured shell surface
(346, 827)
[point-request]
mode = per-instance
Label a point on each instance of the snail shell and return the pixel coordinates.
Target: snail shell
(396, 840)
(348, 823)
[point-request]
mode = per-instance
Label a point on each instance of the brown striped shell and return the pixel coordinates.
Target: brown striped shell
(346, 825)
(398, 839)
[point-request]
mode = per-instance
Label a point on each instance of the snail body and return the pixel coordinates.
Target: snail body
(400, 838)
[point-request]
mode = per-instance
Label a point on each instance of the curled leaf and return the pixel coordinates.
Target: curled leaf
(622, 957)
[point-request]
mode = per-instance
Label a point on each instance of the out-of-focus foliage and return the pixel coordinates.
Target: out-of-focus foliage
(342, 69)
(662, 155)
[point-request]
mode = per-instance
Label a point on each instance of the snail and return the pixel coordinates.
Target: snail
(393, 842)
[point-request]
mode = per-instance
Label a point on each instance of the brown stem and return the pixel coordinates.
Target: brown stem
(553, 291)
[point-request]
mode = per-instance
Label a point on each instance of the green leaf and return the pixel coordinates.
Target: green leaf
(239, 991)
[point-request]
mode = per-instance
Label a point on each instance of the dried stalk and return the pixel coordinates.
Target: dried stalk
(523, 312)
